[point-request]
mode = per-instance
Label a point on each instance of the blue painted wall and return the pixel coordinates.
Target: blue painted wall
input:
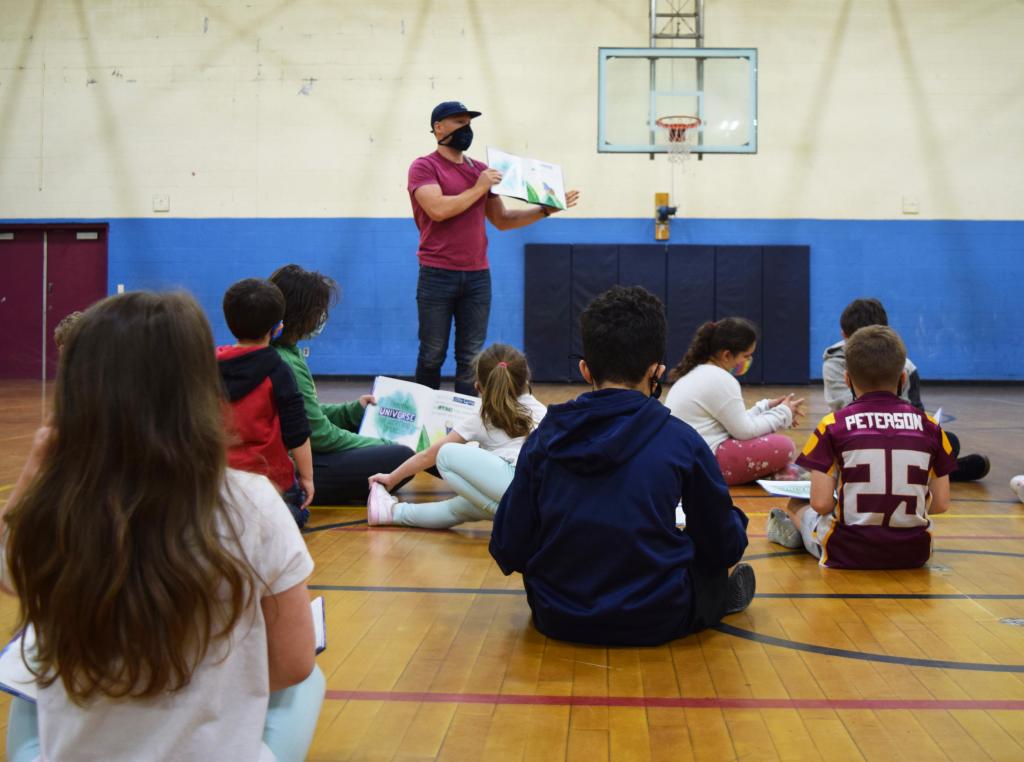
(952, 288)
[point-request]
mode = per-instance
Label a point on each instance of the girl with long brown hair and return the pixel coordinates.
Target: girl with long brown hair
(166, 592)
(707, 395)
(479, 475)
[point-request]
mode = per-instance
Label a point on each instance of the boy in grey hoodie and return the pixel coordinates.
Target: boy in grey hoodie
(864, 312)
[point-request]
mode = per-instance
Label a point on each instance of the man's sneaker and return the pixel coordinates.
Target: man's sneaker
(379, 506)
(1017, 485)
(781, 530)
(741, 586)
(970, 468)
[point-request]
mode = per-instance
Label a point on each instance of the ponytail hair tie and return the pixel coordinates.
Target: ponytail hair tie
(502, 364)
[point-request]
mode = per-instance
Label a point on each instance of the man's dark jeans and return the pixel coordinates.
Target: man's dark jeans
(440, 296)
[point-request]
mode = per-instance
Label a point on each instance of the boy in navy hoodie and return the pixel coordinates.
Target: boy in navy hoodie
(589, 519)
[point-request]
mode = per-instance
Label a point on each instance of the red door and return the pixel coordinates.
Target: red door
(21, 302)
(75, 266)
(76, 270)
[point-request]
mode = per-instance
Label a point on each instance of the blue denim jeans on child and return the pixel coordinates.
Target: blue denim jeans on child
(442, 295)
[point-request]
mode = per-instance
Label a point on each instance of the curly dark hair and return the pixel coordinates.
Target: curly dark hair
(308, 298)
(623, 333)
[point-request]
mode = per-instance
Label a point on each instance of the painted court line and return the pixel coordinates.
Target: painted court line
(674, 703)
(830, 596)
(843, 653)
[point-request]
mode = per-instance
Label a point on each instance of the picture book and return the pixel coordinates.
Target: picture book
(412, 414)
(538, 182)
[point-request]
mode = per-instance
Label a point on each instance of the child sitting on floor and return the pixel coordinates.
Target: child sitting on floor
(707, 395)
(167, 591)
(891, 462)
(589, 518)
(268, 417)
(864, 312)
(480, 475)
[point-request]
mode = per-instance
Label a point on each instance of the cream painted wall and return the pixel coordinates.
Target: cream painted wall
(310, 108)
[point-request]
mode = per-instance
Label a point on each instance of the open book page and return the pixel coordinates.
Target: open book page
(412, 414)
(18, 680)
(797, 489)
(538, 182)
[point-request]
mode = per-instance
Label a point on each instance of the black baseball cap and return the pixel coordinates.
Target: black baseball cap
(447, 109)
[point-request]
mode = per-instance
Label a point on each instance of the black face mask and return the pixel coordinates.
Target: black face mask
(655, 388)
(460, 139)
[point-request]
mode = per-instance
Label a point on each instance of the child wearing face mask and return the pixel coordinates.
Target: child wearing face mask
(589, 518)
(707, 396)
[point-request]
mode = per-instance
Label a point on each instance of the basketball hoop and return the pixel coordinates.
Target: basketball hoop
(678, 127)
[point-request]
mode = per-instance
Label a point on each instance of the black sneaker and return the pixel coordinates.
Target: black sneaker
(970, 468)
(742, 584)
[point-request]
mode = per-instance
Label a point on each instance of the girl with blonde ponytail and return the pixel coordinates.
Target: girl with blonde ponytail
(479, 475)
(706, 394)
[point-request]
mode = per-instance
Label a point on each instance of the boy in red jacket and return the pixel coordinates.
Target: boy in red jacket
(268, 417)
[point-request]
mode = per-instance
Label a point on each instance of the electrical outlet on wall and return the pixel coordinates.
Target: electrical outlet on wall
(305, 351)
(161, 202)
(911, 205)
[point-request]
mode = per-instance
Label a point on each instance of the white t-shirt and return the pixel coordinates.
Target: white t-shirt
(495, 440)
(221, 713)
(709, 399)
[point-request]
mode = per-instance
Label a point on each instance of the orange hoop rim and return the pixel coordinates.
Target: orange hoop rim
(678, 125)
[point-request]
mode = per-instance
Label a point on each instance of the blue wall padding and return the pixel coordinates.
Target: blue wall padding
(951, 287)
(689, 296)
(696, 283)
(784, 315)
(595, 269)
(549, 267)
(738, 294)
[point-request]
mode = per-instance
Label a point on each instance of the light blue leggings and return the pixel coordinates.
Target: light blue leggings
(291, 719)
(478, 477)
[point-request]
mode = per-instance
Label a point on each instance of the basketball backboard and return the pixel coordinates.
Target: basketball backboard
(636, 86)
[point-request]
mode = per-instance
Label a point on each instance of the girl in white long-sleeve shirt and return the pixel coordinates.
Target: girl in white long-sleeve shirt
(708, 397)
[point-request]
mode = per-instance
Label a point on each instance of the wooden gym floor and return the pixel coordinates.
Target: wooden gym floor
(431, 653)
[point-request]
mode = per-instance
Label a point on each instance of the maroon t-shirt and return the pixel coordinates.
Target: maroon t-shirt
(460, 242)
(884, 451)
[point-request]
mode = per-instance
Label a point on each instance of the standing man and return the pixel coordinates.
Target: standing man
(451, 195)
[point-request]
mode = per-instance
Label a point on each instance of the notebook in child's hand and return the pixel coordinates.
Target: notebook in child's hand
(412, 414)
(798, 489)
(15, 676)
(319, 622)
(18, 680)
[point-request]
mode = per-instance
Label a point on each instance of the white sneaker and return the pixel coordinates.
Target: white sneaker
(781, 530)
(380, 506)
(1017, 485)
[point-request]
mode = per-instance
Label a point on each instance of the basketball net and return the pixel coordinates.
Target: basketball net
(681, 131)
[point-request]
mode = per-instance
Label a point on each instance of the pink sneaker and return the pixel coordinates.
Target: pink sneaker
(379, 506)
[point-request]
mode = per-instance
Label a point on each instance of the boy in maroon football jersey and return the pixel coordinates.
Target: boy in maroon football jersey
(889, 461)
